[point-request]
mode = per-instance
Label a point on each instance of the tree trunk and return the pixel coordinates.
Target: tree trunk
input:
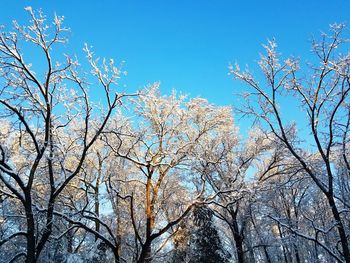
(97, 211)
(238, 237)
(145, 256)
(297, 256)
(31, 257)
(239, 248)
(284, 249)
(340, 227)
(267, 256)
(146, 251)
(116, 255)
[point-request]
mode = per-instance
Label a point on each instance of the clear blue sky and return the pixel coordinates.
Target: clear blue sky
(187, 45)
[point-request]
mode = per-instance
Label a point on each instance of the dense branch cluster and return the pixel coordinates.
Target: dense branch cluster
(143, 177)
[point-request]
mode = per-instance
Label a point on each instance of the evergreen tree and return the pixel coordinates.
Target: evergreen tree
(205, 243)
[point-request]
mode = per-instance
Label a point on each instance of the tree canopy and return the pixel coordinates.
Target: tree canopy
(146, 177)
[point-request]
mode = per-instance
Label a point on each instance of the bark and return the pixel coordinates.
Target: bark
(31, 257)
(116, 255)
(285, 252)
(146, 251)
(97, 210)
(238, 237)
(145, 256)
(340, 228)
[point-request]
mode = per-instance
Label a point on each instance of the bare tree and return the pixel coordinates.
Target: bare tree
(163, 147)
(323, 93)
(51, 123)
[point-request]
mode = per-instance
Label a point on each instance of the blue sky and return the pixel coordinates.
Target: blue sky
(188, 45)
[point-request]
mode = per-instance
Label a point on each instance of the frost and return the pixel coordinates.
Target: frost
(28, 8)
(74, 258)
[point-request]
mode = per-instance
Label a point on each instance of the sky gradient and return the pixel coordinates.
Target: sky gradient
(187, 45)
